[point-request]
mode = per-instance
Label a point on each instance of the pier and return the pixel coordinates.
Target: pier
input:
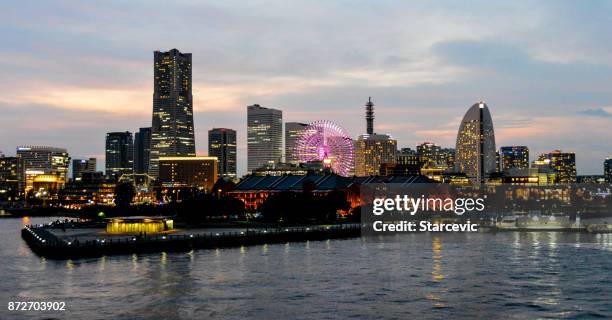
(44, 240)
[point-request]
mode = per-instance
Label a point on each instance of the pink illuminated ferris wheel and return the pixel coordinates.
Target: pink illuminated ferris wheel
(327, 142)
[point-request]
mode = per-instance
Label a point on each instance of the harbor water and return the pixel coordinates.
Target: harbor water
(486, 275)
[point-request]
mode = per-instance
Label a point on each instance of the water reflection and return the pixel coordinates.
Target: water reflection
(135, 262)
(437, 275)
(436, 272)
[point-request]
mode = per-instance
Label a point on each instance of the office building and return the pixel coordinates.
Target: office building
(563, 164)
(172, 132)
(79, 166)
(293, 130)
(514, 157)
(430, 155)
(188, 172)
(222, 144)
(264, 136)
(9, 168)
(475, 151)
(371, 151)
(119, 154)
(142, 150)
(448, 158)
(407, 156)
(41, 160)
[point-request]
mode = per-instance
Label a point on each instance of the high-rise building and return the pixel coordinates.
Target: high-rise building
(142, 150)
(172, 132)
(222, 144)
(82, 165)
(293, 130)
(264, 136)
(562, 163)
(372, 150)
(50, 162)
(475, 153)
(119, 154)
(192, 172)
(514, 157)
(608, 169)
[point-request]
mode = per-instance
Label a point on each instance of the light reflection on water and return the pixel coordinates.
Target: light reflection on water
(509, 274)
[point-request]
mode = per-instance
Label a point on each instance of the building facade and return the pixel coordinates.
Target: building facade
(119, 154)
(254, 191)
(407, 156)
(514, 157)
(190, 172)
(172, 132)
(563, 164)
(608, 169)
(222, 144)
(293, 130)
(41, 160)
(142, 150)
(9, 178)
(264, 136)
(82, 165)
(475, 151)
(371, 151)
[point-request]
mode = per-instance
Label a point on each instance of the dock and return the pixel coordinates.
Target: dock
(44, 242)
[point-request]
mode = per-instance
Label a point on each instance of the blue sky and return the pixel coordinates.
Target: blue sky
(70, 71)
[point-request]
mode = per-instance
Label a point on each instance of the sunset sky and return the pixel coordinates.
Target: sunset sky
(70, 71)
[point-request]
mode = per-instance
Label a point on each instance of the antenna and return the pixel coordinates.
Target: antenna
(370, 116)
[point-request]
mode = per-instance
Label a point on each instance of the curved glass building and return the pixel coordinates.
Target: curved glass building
(475, 153)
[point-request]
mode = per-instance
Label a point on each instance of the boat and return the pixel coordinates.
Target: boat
(536, 221)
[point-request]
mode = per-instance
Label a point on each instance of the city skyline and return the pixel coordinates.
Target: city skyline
(546, 95)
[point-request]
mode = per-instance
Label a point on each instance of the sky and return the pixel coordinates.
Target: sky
(70, 71)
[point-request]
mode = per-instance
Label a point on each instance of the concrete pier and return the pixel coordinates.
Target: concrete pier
(44, 242)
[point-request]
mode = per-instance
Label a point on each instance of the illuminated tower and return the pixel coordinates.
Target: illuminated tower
(475, 153)
(172, 125)
(371, 149)
(370, 116)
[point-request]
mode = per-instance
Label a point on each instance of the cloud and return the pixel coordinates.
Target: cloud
(596, 112)
(73, 71)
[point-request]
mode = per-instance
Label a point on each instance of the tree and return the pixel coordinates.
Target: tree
(280, 206)
(124, 194)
